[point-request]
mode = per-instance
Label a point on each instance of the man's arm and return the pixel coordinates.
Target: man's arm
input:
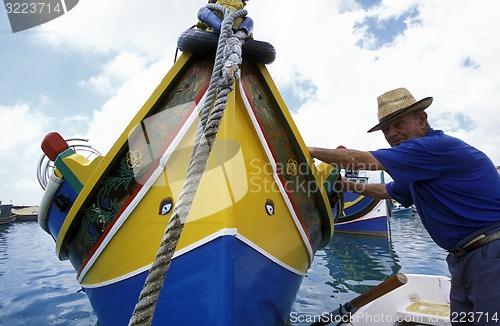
(349, 159)
(372, 190)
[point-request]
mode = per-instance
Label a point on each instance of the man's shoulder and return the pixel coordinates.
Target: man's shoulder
(439, 138)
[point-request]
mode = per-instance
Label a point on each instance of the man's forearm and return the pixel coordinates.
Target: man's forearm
(372, 190)
(348, 159)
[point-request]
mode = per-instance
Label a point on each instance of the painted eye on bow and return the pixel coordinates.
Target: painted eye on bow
(269, 207)
(166, 206)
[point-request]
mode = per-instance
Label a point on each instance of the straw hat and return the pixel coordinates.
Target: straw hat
(395, 103)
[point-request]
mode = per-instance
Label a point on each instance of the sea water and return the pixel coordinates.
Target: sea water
(38, 289)
(35, 287)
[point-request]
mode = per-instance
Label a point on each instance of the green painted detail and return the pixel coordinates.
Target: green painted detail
(66, 172)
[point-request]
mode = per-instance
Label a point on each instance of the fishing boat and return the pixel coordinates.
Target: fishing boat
(363, 214)
(257, 213)
(423, 300)
(26, 213)
(6, 215)
(399, 210)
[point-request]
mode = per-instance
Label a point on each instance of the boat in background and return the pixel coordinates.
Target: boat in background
(363, 214)
(399, 210)
(423, 300)
(25, 213)
(260, 212)
(6, 213)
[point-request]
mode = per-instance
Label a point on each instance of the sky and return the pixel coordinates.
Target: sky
(86, 73)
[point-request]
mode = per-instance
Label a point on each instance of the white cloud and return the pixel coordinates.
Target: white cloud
(108, 123)
(116, 72)
(22, 121)
(112, 27)
(22, 132)
(428, 59)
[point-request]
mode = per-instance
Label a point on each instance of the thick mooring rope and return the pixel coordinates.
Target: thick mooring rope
(224, 74)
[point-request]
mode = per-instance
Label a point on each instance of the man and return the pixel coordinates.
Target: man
(456, 190)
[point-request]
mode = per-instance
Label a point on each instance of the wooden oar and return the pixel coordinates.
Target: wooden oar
(343, 313)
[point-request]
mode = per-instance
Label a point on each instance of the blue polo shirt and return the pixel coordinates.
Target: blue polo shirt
(454, 186)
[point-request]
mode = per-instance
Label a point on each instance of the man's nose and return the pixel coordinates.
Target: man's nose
(390, 131)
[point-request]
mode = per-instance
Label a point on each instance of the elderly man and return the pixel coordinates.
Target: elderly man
(456, 190)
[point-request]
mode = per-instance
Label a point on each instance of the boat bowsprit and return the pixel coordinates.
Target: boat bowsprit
(259, 211)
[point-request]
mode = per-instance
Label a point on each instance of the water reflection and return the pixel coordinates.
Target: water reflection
(3, 247)
(350, 265)
(358, 262)
(417, 251)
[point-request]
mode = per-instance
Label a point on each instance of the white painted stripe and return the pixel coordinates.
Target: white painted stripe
(175, 142)
(118, 279)
(199, 243)
(221, 233)
(270, 157)
(268, 255)
(360, 220)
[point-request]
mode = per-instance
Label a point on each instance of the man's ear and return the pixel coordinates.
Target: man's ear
(422, 118)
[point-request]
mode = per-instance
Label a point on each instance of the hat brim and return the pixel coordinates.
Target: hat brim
(420, 105)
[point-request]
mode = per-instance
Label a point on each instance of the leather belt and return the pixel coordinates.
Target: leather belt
(477, 242)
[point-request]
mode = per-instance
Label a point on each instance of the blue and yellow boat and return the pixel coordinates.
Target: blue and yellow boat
(260, 212)
(361, 214)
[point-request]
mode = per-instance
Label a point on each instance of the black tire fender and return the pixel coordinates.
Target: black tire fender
(205, 43)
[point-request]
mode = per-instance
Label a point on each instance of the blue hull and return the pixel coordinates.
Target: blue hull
(65, 195)
(363, 205)
(223, 282)
(363, 215)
